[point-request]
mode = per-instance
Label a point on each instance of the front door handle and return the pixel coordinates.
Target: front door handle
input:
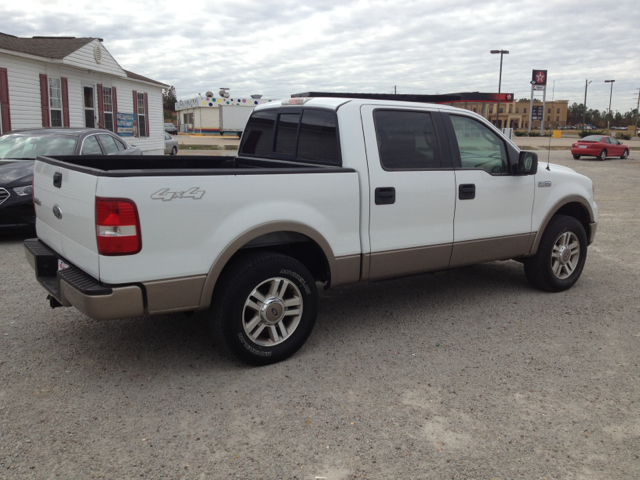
(385, 195)
(467, 191)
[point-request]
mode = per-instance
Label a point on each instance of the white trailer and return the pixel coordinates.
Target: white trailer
(233, 118)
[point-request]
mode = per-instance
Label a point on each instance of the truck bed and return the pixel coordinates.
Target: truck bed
(161, 165)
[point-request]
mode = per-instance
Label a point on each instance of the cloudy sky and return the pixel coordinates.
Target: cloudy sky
(277, 48)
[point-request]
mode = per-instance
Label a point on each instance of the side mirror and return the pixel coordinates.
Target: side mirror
(527, 163)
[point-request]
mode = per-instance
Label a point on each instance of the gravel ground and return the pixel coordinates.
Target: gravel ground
(468, 374)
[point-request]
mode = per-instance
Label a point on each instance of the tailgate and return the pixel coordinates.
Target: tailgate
(65, 210)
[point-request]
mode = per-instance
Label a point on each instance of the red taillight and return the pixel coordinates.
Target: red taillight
(117, 227)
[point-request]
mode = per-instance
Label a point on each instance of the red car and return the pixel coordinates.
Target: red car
(601, 146)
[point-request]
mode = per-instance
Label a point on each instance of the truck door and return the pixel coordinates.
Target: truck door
(412, 193)
(493, 206)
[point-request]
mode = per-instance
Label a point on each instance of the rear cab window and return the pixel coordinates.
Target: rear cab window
(307, 135)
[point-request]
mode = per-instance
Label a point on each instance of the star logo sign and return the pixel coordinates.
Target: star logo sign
(508, 97)
(540, 77)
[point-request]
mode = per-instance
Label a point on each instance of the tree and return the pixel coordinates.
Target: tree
(169, 99)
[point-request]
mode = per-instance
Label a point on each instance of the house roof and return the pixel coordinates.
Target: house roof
(48, 47)
(56, 48)
(135, 76)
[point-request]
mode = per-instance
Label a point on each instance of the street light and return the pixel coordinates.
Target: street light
(584, 113)
(610, 95)
(501, 52)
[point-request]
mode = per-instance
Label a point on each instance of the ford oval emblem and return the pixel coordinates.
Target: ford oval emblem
(57, 211)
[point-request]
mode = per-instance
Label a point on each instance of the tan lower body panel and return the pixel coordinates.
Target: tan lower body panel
(174, 295)
(123, 302)
(396, 263)
(491, 249)
(346, 270)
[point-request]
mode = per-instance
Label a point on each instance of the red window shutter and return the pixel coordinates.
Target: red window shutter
(146, 113)
(114, 100)
(100, 106)
(65, 102)
(44, 100)
(5, 111)
(135, 110)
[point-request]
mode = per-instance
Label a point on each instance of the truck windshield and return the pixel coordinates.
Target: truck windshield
(29, 147)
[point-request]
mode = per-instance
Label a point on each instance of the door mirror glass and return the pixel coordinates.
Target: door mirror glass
(527, 163)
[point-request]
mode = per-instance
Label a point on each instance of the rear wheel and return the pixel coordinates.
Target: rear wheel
(625, 154)
(264, 307)
(577, 157)
(603, 155)
(561, 255)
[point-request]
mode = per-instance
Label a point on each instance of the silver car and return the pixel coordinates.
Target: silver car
(170, 144)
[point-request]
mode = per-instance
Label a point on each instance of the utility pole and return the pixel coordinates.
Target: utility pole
(610, 95)
(501, 52)
(584, 113)
(635, 124)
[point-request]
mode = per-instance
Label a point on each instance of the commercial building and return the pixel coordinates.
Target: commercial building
(76, 82)
(516, 114)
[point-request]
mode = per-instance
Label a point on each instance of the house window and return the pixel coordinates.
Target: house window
(525, 110)
(517, 110)
(501, 110)
(107, 101)
(557, 118)
(142, 124)
(55, 102)
(549, 111)
(548, 118)
(557, 110)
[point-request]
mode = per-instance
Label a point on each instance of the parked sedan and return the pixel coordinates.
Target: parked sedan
(18, 150)
(600, 146)
(170, 144)
(170, 128)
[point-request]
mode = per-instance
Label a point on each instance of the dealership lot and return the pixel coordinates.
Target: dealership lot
(464, 374)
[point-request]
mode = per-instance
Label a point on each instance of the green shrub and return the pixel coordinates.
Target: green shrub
(534, 134)
(623, 136)
(521, 133)
(586, 133)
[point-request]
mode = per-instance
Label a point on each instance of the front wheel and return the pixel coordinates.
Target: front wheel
(265, 307)
(561, 255)
(577, 157)
(603, 155)
(625, 154)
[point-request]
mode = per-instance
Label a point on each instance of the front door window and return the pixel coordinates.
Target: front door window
(89, 108)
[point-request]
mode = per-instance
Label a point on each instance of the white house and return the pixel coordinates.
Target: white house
(75, 82)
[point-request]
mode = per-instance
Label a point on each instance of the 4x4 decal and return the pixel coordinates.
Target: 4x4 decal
(165, 195)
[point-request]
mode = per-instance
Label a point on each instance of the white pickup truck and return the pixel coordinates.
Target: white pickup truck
(324, 192)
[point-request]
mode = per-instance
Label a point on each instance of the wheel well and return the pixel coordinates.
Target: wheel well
(577, 211)
(292, 244)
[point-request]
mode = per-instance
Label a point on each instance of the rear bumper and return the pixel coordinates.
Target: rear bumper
(73, 287)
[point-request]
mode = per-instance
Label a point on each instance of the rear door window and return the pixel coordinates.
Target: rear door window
(407, 140)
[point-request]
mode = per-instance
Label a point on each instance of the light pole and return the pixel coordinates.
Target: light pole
(610, 95)
(501, 52)
(635, 124)
(584, 113)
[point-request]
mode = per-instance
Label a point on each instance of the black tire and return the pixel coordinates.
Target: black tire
(540, 267)
(174, 151)
(577, 157)
(233, 313)
(625, 154)
(603, 155)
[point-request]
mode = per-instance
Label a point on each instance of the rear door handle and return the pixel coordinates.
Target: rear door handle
(385, 195)
(466, 191)
(57, 179)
